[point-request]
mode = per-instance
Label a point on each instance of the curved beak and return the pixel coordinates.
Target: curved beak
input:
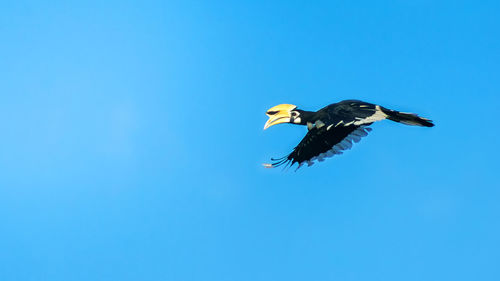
(279, 114)
(277, 119)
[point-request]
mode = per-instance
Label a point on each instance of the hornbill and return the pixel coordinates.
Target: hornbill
(333, 128)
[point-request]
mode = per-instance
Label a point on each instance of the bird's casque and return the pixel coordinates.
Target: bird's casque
(333, 128)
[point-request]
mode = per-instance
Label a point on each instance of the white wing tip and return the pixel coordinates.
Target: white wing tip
(267, 165)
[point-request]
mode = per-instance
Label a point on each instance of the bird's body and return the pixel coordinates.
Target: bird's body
(333, 128)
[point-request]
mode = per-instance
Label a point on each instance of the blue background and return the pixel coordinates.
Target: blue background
(131, 141)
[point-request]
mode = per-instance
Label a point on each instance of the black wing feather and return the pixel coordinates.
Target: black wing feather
(346, 112)
(321, 140)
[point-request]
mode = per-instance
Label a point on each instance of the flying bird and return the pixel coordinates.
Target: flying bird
(333, 128)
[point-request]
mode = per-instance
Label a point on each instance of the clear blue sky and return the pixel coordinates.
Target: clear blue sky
(131, 141)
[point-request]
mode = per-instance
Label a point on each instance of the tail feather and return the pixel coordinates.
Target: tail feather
(407, 118)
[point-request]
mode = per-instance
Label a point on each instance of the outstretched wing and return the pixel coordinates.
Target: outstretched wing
(322, 142)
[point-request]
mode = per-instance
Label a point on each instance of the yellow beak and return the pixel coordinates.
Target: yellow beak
(279, 114)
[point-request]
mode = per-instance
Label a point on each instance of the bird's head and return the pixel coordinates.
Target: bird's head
(282, 113)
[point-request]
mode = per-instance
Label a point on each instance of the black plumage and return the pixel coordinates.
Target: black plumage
(335, 127)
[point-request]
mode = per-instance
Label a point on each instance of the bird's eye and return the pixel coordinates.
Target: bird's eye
(271, 112)
(295, 113)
